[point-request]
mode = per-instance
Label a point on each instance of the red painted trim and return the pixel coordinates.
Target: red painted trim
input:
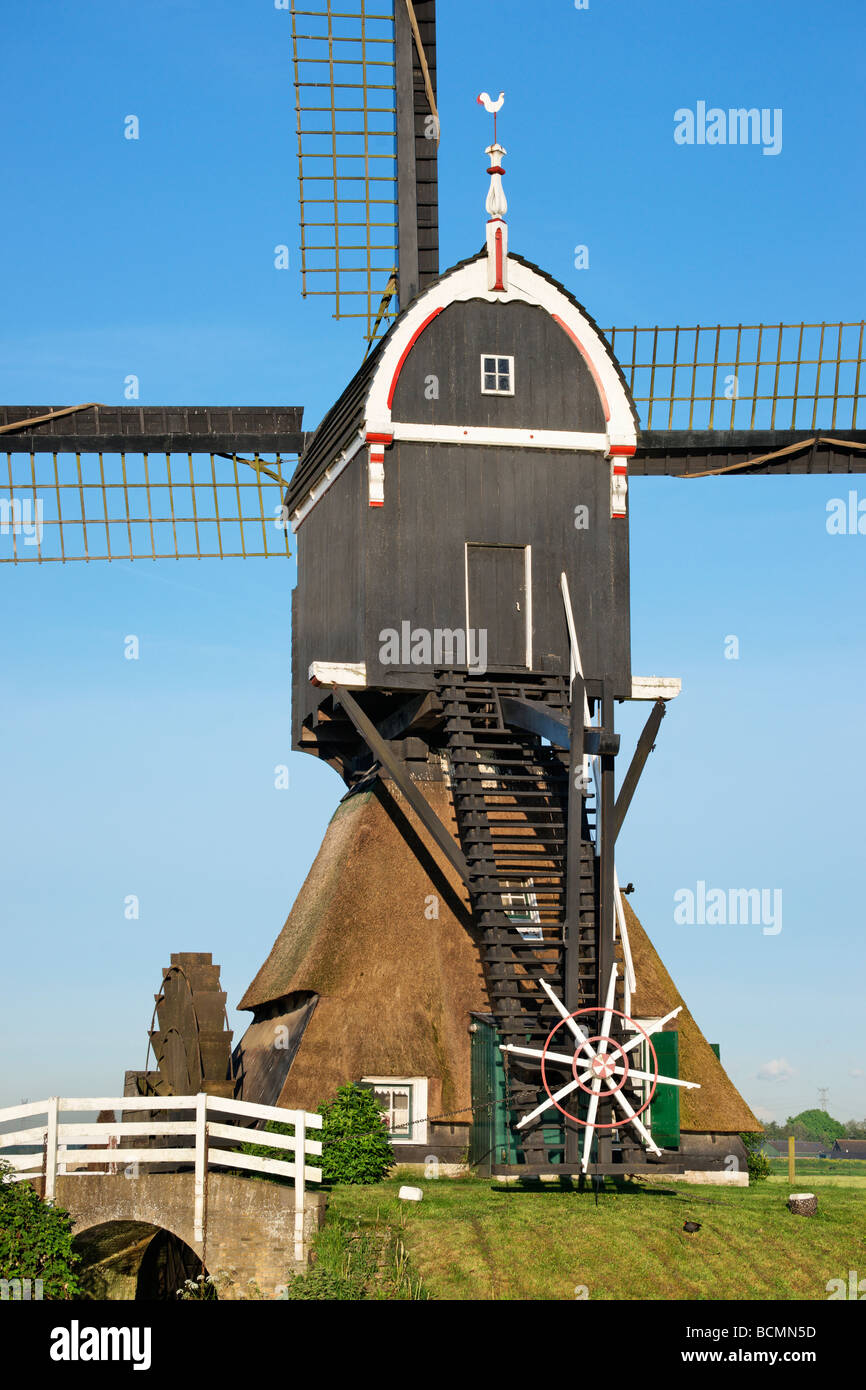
(624, 449)
(499, 267)
(496, 169)
(409, 346)
(377, 504)
(585, 355)
(380, 438)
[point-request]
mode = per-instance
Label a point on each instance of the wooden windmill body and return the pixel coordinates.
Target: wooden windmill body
(460, 640)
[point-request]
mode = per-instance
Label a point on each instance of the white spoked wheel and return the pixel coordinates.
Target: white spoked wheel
(600, 1066)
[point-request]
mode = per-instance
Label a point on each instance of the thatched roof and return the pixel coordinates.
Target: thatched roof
(396, 987)
(718, 1107)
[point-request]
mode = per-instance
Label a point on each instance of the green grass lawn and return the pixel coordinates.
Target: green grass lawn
(471, 1239)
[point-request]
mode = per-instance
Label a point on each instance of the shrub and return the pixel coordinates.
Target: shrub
(355, 1143)
(324, 1284)
(36, 1239)
(759, 1164)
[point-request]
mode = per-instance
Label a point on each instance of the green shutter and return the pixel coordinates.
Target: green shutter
(492, 1138)
(665, 1108)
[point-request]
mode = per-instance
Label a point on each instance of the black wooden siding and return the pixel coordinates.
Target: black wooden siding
(439, 496)
(328, 602)
(553, 387)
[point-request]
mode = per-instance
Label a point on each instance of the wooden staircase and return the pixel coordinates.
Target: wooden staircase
(510, 794)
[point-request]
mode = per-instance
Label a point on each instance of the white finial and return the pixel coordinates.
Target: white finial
(497, 204)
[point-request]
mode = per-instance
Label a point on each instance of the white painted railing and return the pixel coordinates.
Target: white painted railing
(55, 1147)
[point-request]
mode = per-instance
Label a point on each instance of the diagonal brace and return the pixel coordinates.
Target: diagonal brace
(397, 769)
(637, 765)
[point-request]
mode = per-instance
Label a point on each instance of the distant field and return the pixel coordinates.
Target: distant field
(830, 1169)
(471, 1240)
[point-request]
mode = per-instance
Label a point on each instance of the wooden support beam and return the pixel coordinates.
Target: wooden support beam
(408, 281)
(571, 931)
(607, 875)
(398, 770)
(576, 793)
(525, 714)
(154, 429)
(419, 712)
(535, 719)
(638, 763)
(734, 453)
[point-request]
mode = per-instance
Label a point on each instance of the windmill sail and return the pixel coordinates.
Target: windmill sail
(368, 130)
(95, 482)
(98, 482)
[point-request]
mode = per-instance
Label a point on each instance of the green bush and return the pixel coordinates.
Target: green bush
(324, 1284)
(354, 1135)
(355, 1143)
(36, 1239)
(759, 1164)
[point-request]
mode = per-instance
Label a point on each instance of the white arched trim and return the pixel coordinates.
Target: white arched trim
(525, 286)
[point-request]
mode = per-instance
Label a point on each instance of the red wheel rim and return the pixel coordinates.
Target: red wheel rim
(626, 1119)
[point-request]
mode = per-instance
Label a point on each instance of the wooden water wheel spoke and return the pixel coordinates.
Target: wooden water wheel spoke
(602, 1061)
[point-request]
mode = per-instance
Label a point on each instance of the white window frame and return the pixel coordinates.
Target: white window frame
(497, 357)
(512, 902)
(417, 1105)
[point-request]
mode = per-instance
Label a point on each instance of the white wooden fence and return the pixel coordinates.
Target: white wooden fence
(53, 1146)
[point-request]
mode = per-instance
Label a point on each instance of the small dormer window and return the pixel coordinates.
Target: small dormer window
(497, 376)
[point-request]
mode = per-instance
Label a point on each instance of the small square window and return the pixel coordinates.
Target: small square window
(497, 375)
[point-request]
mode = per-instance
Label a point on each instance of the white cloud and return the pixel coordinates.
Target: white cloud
(777, 1069)
(762, 1113)
(857, 1072)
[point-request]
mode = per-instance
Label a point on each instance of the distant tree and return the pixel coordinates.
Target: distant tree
(816, 1126)
(855, 1129)
(773, 1130)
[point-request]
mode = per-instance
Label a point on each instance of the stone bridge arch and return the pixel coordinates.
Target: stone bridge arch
(248, 1230)
(134, 1260)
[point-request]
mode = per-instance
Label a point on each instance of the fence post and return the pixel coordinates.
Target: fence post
(51, 1149)
(300, 1160)
(200, 1164)
(791, 1163)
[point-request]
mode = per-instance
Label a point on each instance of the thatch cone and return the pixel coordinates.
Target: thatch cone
(803, 1204)
(377, 973)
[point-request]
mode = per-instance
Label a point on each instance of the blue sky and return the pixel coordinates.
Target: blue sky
(155, 257)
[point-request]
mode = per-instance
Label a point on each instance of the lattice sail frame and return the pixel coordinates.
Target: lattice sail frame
(347, 157)
(152, 506)
(746, 376)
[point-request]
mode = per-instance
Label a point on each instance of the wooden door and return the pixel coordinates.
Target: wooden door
(497, 601)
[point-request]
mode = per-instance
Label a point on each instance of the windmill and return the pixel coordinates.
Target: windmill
(482, 783)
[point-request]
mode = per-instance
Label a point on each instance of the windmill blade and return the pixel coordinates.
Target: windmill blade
(368, 130)
(787, 398)
(123, 483)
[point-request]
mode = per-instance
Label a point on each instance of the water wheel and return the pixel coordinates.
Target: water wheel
(189, 1032)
